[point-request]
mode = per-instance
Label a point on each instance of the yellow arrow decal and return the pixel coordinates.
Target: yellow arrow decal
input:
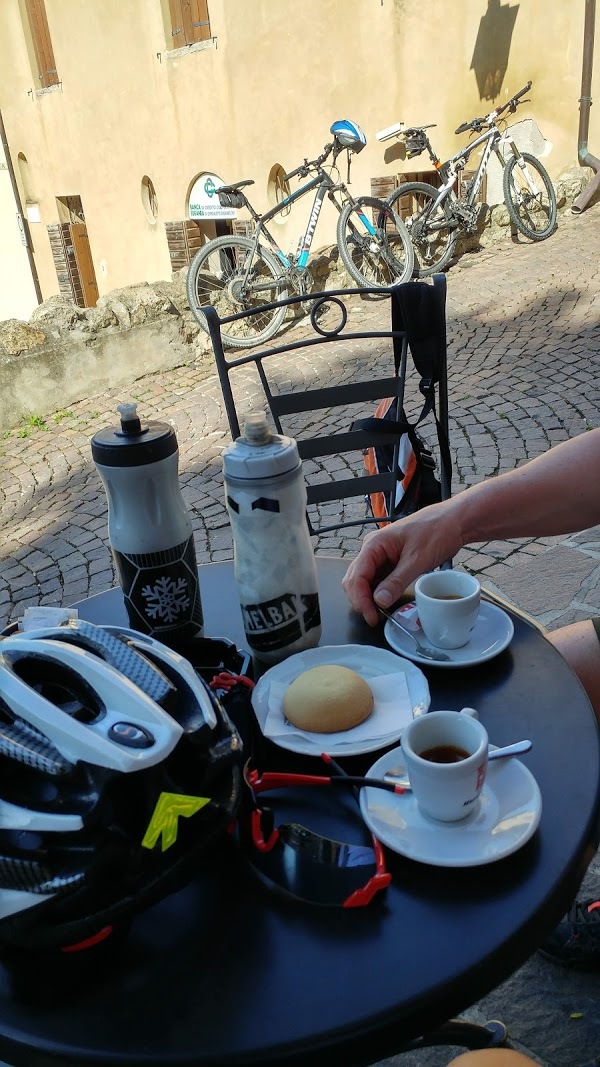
(169, 807)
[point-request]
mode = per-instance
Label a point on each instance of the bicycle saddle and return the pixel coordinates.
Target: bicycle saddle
(237, 185)
(412, 130)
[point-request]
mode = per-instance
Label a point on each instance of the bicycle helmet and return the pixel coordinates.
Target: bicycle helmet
(118, 766)
(348, 134)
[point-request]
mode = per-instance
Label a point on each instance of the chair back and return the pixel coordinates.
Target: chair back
(328, 371)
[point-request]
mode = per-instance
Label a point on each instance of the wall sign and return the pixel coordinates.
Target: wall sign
(204, 202)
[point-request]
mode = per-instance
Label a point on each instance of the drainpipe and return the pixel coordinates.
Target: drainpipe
(586, 159)
(23, 224)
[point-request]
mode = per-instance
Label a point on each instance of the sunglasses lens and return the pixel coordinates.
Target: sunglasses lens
(315, 868)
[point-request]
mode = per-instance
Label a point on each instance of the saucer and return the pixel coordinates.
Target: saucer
(506, 815)
(366, 660)
(492, 634)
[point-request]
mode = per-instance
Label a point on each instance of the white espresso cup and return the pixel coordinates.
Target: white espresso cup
(446, 757)
(448, 606)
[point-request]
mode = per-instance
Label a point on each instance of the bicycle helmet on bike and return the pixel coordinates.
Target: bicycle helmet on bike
(118, 766)
(348, 134)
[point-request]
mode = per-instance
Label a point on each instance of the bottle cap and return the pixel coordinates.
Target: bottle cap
(256, 428)
(131, 444)
(260, 453)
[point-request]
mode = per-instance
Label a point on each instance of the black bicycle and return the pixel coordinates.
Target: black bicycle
(239, 273)
(435, 218)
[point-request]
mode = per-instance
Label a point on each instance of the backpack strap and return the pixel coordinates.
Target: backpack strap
(420, 310)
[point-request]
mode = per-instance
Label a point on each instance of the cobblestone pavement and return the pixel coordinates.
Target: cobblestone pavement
(524, 348)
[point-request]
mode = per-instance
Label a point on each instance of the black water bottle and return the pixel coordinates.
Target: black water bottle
(149, 527)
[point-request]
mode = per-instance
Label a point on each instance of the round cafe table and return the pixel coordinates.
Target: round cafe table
(226, 972)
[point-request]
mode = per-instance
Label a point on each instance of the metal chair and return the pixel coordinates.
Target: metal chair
(359, 373)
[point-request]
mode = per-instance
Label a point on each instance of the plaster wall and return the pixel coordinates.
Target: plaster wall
(264, 90)
(17, 292)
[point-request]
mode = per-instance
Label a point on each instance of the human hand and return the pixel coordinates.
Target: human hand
(394, 556)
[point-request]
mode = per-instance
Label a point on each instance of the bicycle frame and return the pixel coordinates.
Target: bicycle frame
(325, 186)
(449, 169)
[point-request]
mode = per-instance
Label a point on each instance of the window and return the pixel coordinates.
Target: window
(189, 22)
(42, 44)
(277, 190)
(149, 199)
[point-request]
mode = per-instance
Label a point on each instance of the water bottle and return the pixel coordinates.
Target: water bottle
(149, 529)
(275, 566)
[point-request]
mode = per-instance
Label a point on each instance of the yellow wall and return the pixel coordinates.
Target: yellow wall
(17, 291)
(264, 92)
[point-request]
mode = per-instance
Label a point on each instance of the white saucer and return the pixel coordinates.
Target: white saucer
(366, 660)
(493, 632)
(505, 817)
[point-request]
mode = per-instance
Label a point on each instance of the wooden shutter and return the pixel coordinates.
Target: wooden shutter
(184, 239)
(200, 19)
(189, 21)
(383, 187)
(42, 42)
(65, 262)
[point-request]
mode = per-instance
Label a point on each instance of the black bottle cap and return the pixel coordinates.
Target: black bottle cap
(131, 444)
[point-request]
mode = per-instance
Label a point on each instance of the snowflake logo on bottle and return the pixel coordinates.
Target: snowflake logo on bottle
(161, 591)
(166, 599)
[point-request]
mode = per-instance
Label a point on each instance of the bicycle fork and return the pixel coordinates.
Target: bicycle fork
(522, 164)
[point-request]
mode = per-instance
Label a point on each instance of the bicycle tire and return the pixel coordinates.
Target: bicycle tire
(428, 257)
(374, 260)
(215, 277)
(521, 199)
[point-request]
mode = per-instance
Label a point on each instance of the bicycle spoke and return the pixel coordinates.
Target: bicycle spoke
(233, 276)
(373, 249)
(529, 196)
(432, 238)
(533, 206)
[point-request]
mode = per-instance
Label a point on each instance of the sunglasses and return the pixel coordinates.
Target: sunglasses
(301, 862)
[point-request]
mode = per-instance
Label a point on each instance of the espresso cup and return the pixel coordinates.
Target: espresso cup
(448, 606)
(446, 757)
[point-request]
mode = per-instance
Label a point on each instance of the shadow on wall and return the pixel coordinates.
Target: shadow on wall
(492, 48)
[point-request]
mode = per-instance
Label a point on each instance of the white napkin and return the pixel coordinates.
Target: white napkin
(392, 710)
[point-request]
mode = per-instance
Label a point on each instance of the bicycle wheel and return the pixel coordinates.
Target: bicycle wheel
(374, 244)
(529, 196)
(217, 276)
(433, 238)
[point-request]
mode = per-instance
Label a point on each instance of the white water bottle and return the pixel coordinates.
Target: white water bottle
(149, 527)
(275, 566)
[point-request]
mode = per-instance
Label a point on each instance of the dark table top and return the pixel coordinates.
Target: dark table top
(226, 973)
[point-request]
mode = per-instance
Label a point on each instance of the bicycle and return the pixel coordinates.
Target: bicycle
(436, 217)
(238, 273)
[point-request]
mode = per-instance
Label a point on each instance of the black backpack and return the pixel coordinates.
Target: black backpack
(417, 309)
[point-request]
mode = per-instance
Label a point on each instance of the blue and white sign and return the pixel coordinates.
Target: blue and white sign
(204, 202)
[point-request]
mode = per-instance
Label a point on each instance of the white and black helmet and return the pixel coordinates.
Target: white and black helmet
(118, 766)
(348, 134)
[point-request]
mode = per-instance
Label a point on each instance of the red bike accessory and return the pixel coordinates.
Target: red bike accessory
(303, 863)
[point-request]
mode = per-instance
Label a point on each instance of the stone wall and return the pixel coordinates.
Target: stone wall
(67, 353)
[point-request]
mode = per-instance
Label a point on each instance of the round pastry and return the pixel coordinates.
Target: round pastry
(328, 698)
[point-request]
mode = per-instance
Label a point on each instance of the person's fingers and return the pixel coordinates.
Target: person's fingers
(376, 558)
(391, 588)
(357, 584)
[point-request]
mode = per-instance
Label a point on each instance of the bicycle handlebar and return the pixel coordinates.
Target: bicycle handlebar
(480, 123)
(309, 164)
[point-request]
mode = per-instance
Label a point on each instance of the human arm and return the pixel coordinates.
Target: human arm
(556, 493)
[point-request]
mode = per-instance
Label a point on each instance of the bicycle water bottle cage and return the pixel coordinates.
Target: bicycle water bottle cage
(348, 134)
